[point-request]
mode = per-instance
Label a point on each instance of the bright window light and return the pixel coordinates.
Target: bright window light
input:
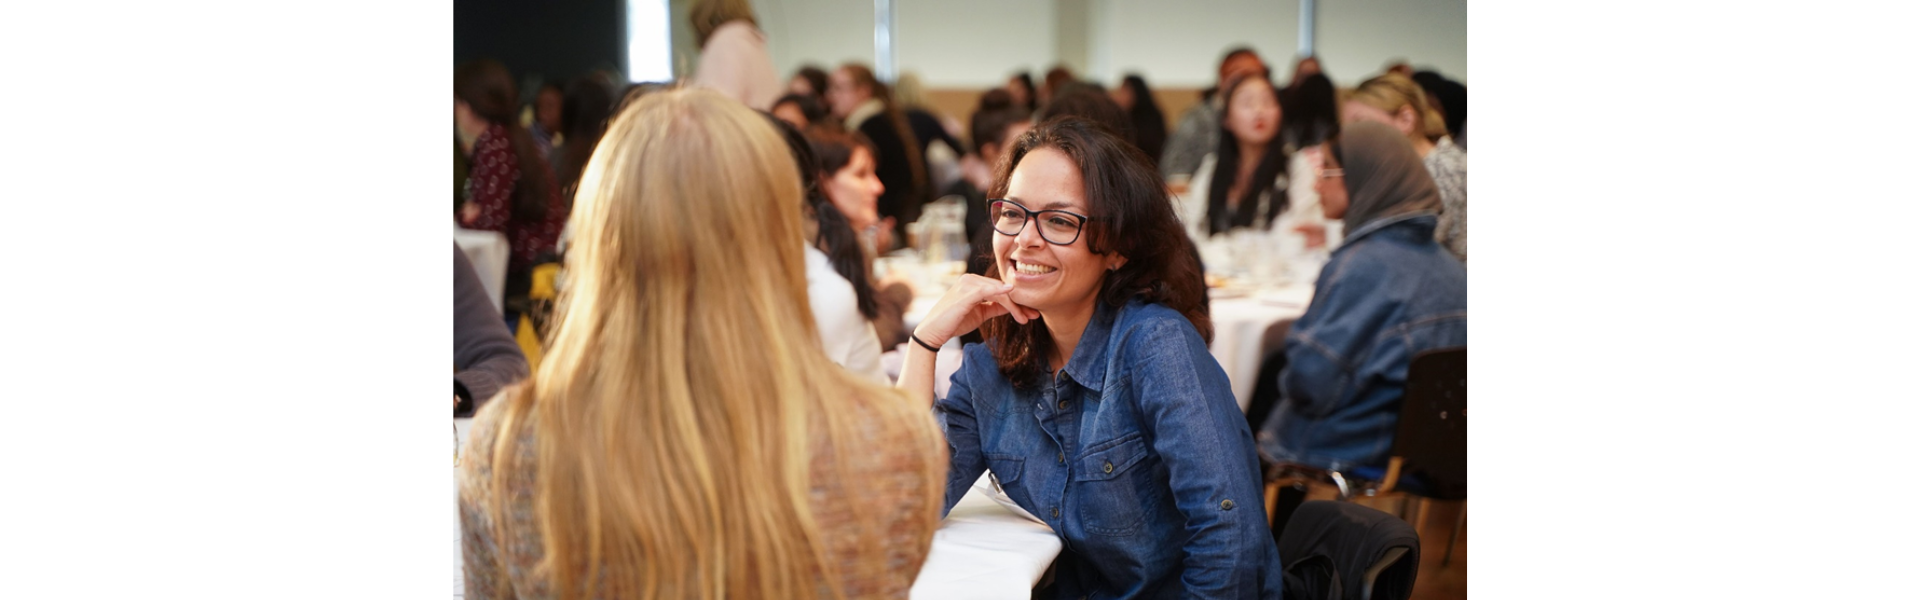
(649, 41)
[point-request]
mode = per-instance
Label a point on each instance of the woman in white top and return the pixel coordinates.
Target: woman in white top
(1244, 182)
(842, 309)
(733, 53)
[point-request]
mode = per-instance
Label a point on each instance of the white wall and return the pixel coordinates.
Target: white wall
(978, 43)
(1178, 44)
(823, 32)
(1356, 38)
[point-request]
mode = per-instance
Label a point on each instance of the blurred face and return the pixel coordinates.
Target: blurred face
(1047, 276)
(1355, 111)
(1253, 113)
(547, 109)
(1330, 182)
(843, 95)
(1018, 89)
(855, 190)
(790, 112)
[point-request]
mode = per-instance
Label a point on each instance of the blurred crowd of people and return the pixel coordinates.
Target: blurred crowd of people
(711, 393)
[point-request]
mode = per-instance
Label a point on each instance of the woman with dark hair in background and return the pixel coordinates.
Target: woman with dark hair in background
(845, 170)
(1094, 402)
(583, 116)
(809, 80)
(1020, 87)
(800, 110)
(1244, 180)
(1309, 115)
(838, 287)
(510, 189)
(1149, 124)
(865, 104)
(1199, 130)
(546, 118)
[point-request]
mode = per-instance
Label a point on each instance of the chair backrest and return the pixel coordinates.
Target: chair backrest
(1372, 554)
(1432, 436)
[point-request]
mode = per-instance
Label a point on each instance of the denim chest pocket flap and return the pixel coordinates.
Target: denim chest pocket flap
(1005, 467)
(1111, 459)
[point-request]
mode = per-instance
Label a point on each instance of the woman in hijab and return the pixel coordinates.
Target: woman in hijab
(1388, 293)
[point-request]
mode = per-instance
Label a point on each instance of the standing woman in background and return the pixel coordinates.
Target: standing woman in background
(1149, 124)
(865, 104)
(510, 189)
(733, 53)
(680, 446)
(1399, 102)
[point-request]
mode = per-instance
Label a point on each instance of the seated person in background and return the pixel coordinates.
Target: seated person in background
(1149, 125)
(485, 357)
(800, 110)
(1243, 183)
(1199, 129)
(510, 188)
(845, 164)
(809, 80)
(1094, 402)
(866, 105)
(1388, 293)
(1400, 103)
(990, 129)
(680, 445)
(839, 289)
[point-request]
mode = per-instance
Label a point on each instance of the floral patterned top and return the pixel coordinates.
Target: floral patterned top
(1448, 165)
(888, 480)
(493, 172)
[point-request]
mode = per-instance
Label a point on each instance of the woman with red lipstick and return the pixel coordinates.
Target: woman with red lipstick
(1244, 180)
(1094, 402)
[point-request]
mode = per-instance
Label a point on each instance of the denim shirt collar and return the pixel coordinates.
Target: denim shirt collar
(1422, 224)
(1088, 366)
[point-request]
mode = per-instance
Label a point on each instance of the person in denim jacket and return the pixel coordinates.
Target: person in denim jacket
(1388, 293)
(1094, 401)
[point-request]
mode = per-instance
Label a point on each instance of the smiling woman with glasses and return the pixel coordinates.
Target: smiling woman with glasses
(1094, 402)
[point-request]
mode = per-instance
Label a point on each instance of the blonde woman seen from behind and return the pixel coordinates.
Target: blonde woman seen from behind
(684, 436)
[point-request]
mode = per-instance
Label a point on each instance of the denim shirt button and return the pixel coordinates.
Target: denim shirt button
(1056, 512)
(1226, 504)
(1108, 468)
(1063, 404)
(1063, 457)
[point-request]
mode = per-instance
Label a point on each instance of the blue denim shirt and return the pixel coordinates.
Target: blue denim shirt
(1135, 453)
(1389, 292)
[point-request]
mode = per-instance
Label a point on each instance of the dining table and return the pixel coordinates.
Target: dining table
(488, 251)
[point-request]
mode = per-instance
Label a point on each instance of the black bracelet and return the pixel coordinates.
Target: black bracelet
(923, 343)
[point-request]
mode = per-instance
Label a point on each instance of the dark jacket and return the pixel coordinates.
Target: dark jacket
(1389, 292)
(901, 200)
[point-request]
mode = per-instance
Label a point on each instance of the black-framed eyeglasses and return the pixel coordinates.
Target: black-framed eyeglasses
(1057, 227)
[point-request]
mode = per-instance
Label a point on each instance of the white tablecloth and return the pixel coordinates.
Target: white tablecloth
(488, 251)
(1241, 327)
(983, 550)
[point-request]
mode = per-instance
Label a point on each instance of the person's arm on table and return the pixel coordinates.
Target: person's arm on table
(485, 357)
(966, 305)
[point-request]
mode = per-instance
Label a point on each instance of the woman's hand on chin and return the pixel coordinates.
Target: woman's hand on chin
(966, 305)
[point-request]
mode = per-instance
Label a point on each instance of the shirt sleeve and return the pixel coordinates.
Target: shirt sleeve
(955, 414)
(485, 356)
(1323, 344)
(1200, 434)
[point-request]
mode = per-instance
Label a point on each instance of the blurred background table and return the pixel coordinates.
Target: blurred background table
(488, 251)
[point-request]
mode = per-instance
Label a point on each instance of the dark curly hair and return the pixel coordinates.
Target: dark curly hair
(1131, 215)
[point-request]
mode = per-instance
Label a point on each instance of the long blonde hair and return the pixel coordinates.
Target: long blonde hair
(1391, 92)
(676, 412)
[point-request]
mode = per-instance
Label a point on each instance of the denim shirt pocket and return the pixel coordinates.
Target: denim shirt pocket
(1115, 488)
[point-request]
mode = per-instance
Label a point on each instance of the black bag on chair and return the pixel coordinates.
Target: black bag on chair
(1344, 550)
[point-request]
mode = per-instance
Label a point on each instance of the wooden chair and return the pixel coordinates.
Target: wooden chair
(1429, 460)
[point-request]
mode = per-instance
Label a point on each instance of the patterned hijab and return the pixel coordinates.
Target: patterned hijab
(1384, 175)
